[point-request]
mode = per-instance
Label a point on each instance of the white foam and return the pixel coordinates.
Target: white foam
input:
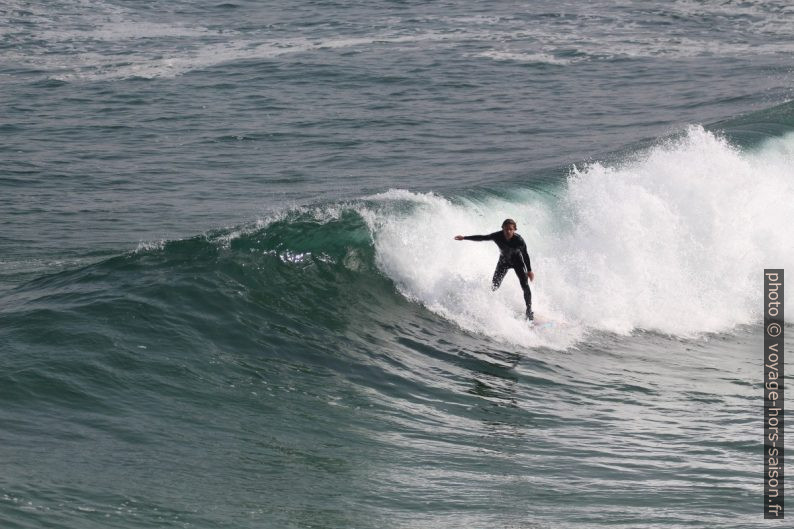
(148, 246)
(525, 57)
(674, 240)
(171, 62)
(415, 247)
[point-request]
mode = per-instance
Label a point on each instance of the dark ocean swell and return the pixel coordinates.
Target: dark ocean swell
(353, 354)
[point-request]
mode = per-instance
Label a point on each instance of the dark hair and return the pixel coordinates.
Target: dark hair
(508, 222)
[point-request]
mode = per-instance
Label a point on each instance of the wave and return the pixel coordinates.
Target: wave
(767, 129)
(672, 239)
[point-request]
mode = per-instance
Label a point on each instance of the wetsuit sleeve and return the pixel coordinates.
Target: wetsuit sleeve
(526, 256)
(478, 237)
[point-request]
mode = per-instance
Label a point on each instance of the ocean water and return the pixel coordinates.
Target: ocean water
(230, 295)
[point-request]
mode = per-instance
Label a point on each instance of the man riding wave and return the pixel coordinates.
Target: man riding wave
(513, 254)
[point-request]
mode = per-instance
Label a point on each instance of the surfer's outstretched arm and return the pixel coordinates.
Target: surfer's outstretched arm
(474, 237)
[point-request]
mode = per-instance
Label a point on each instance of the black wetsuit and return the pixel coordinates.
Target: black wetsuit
(513, 254)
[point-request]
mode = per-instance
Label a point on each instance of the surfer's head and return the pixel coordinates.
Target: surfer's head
(509, 228)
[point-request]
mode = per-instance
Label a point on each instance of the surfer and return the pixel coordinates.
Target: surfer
(513, 254)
